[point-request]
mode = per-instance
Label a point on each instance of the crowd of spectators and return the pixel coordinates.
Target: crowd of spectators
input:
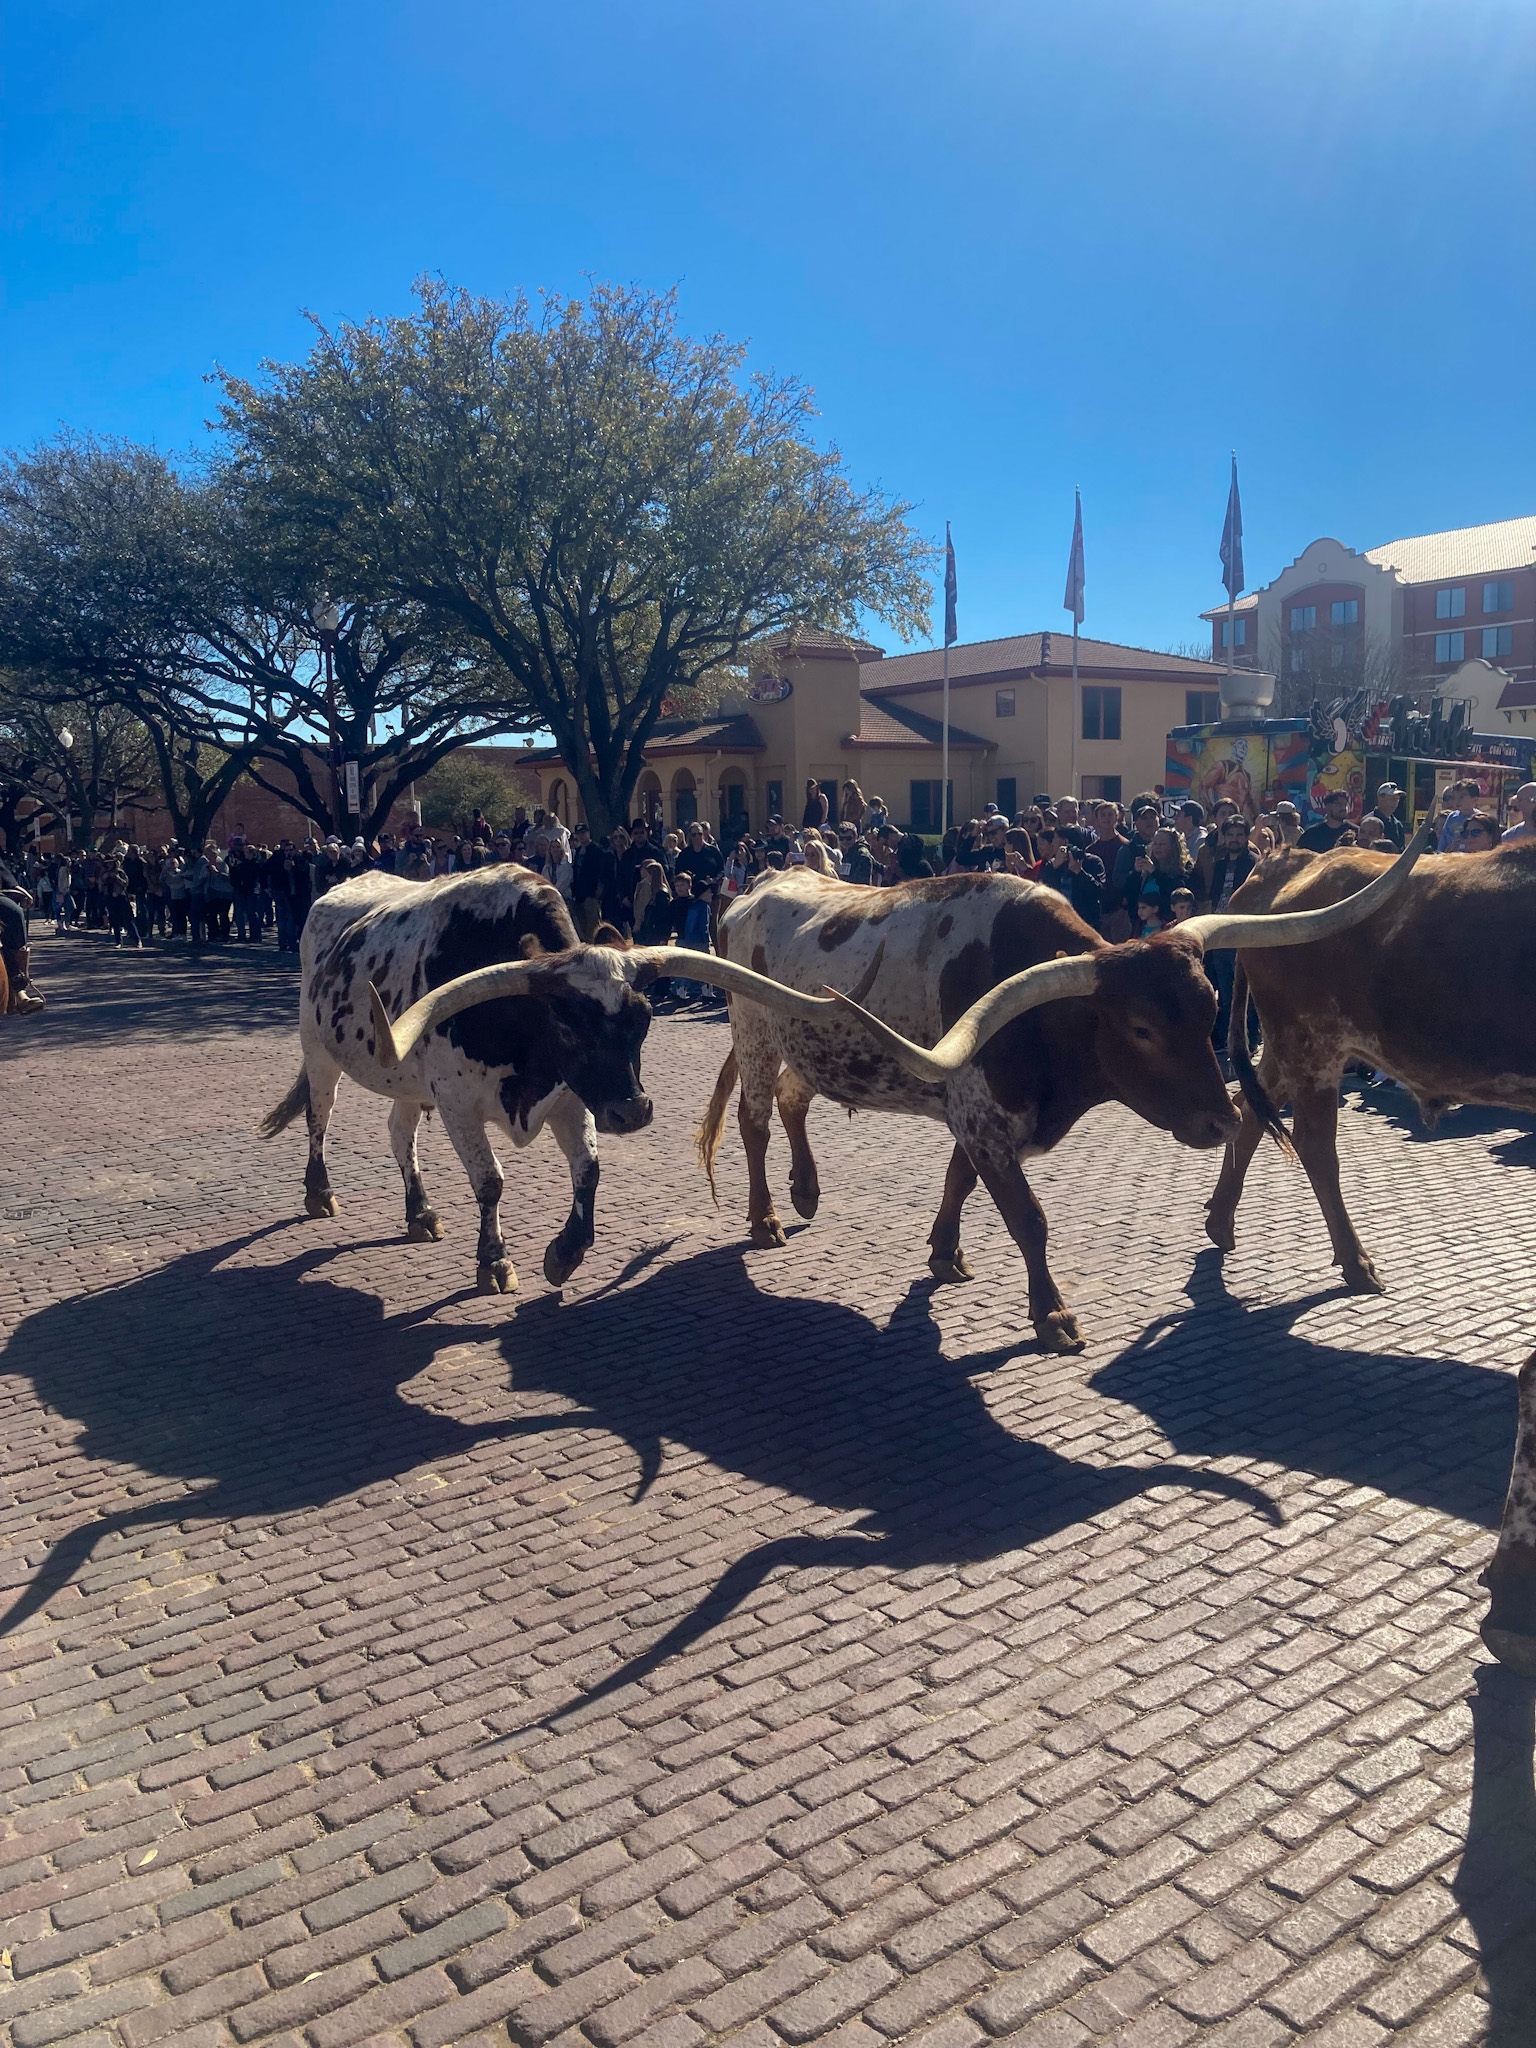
(1127, 871)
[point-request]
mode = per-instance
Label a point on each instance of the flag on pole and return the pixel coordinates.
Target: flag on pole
(951, 630)
(1073, 600)
(1232, 540)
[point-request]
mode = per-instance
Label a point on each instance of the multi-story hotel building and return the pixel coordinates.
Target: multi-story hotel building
(1402, 618)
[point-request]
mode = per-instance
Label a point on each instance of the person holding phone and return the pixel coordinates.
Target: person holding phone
(1065, 866)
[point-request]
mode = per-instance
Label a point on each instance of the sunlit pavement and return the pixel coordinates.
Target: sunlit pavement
(753, 1646)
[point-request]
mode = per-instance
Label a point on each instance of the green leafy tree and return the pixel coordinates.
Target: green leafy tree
(465, 783)
(177, 598)
(608, 508)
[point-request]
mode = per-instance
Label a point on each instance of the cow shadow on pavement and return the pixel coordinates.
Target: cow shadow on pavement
(268, 1388)
(1515, 1133)
(1222, 1380)
(878, 1426)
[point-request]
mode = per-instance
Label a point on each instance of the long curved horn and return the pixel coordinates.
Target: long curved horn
(1049, 982)
(655, 961)
(394, 1041)
(1305, 927)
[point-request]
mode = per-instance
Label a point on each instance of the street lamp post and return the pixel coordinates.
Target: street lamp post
(325, 616)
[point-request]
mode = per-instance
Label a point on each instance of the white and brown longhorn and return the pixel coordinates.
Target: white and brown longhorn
(991, 1008)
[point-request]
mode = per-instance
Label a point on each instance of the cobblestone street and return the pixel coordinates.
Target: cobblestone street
(763, 1647)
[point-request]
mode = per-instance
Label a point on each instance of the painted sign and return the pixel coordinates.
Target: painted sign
(354, 788)
(770, 689)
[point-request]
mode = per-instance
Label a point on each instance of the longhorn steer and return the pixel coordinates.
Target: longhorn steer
(511, 1023)
(1443, 999)
(960, 961)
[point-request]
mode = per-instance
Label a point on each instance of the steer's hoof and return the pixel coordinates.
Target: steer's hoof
(766, 1235)
(424, 1229)
(1222, 1232)
(496, 1278)
(1364, 1278)
(806, 1200)
(951, 1270)
(1059, 1332)
(558, 1265)
(320, 1205)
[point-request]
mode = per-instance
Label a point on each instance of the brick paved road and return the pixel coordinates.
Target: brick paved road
(745, 1646)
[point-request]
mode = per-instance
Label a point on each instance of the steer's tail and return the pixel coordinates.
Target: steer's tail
(708, 1133)
(293, 1104)
(1255, 1094)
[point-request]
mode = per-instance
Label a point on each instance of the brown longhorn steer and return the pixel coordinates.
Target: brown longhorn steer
(1443, 999)
(961, 961)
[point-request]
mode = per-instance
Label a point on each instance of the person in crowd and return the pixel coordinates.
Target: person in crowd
(1480, 834)
(878, 815)
(1522, 807)
(1216, 881)
(911, 858)
(816, 857)
(689, 926)
(1183, 901)
(1132, 865)
(1288, 818)
(119, 901)
(1457, 803)
(1108, 840)
(1370, 832)
(1068, 815)
(1324, 836)
(63, 895)
(816, 806)
(1386, 810)
(1066, 866)
(594, 874)
(858, 862)
(1191, 826)
(1162, 866)
(854, 806)
(15, 948)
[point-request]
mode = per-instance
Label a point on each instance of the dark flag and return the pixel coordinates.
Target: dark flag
(951, 630)
(1073, 601)
(1232, 540)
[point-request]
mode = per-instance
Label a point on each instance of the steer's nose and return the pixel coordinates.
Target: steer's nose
(1211, 1128)
(626, 1117)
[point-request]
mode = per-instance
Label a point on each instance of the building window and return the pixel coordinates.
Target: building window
(1008, 793)
(775, 799)
(1227, 639)
(1346, 611)
(1202, 707)
(1450, 647)
(1101, 712)
(1303, 617)
(926, 812)
(1101, 789)
(1298, 661)
(1451, 604)
(1005, 704)
(1498, 597)
(1498, 640)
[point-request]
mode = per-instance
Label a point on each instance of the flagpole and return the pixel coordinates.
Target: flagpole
(1231, 603)
(944, 798)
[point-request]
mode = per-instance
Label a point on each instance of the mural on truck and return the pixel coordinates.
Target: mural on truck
(1281, 759)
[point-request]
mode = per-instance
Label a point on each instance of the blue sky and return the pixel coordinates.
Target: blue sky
(1014, 247)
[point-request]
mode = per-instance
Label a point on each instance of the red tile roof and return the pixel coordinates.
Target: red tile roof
(890, 724)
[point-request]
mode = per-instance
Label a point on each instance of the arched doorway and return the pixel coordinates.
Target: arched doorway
(648, 797)
(560, 801)
(685, 798)
(734, 820)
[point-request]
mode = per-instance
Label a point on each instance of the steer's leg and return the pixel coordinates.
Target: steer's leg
(576, 1135)
(421, 1224)
(946, 1261)
(757, 1061)
(794, 1099)
(1315, 1134)
(466, 1134)
(1221, 1209)
(1055, 1324)
(324, 1080)
(1509, 1628)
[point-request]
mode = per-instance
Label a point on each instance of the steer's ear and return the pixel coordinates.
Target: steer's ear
(610, 935)
(528, 946)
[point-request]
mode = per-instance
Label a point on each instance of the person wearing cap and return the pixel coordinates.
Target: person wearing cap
(1324, 836)
(1389, 800)
(1288, 818)
(1125, 883)
(1523, 805)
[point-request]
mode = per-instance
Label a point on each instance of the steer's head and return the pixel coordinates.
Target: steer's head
(585, 1025)
(1154, 1013)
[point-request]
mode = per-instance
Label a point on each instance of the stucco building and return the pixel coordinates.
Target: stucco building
(1432, 614)
(826, 710)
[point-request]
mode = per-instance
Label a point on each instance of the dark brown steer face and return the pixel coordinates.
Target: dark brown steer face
(1154, 1012)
